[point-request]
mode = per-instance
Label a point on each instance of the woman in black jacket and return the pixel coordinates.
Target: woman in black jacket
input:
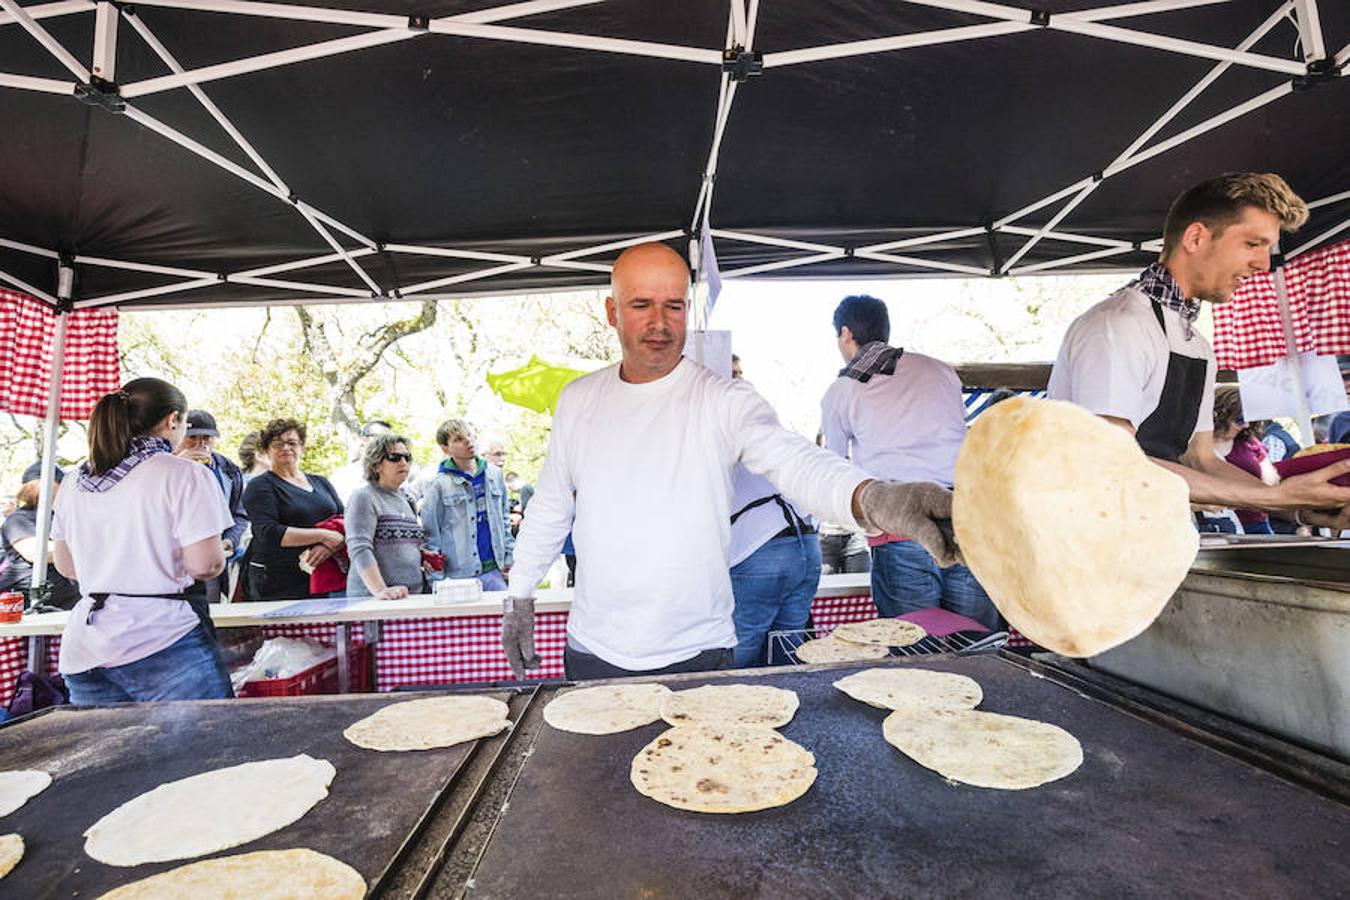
(284, 506)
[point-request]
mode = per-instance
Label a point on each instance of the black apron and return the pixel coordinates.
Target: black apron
(1167, 431)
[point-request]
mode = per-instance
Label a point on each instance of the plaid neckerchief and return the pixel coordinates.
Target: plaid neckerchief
(874, 358)
(142, 448)
(1158, 285)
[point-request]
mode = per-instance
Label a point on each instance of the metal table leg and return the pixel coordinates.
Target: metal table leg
(344, 659)
(37, 654)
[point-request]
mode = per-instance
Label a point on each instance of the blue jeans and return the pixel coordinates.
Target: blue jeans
(906, 578)
(774, 587)
(191, 668)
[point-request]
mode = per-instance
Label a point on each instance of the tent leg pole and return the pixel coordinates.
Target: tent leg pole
(1303, 417)
(49, 432)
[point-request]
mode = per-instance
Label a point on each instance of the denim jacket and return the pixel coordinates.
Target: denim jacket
(450, 517)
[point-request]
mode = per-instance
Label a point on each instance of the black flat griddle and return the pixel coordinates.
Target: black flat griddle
(1151, 813)
(101, 757)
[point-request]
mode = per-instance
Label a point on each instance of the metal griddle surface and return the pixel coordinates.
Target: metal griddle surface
(102, 757)
(1150, 813)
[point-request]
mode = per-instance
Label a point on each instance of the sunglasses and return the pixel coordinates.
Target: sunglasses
(398, 457)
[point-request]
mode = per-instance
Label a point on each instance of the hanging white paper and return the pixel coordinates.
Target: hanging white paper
(716, 350)
(1268, 391)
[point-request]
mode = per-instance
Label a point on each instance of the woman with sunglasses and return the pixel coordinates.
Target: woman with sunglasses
(384, 535)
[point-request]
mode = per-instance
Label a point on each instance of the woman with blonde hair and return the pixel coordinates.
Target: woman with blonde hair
(135, 530)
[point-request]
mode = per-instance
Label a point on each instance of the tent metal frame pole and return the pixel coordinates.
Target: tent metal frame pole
(1146, 8)
(749, 238)
(32, 83)
(359, 19)
(142, 267)
(105, 42)
(1330, 232)
(44, 37)
(451, 253)
(1069, 237)
(50, 10)
(576, 41)
(783, 264)
(1327, 201)
(116, 299)
(29, 248)
(302, 263)
(1070, 260)
(467, 276)
(65, 280)
(579, 266)
(1310, 30)
(28, 288)
(891, 44)
(1067, 22)
(921, 263)
(297, 286)
(922, 240)
(612, 245)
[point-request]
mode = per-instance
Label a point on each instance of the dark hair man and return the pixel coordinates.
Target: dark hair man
(639, 467)
(899, 414)
(1136, 360)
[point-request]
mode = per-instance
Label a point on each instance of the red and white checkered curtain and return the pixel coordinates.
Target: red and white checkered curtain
(27, 329)
(1248, 331)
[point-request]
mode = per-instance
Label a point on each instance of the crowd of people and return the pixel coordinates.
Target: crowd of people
(728, 518)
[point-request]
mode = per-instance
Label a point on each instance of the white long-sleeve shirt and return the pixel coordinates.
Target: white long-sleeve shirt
(908, 426)
(642, 476)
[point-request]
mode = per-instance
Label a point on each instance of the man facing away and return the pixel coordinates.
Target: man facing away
(639, 467)
(899, 414)
(1136, 359)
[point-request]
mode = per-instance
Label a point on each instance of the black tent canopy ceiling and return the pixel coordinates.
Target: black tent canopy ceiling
(232, 151)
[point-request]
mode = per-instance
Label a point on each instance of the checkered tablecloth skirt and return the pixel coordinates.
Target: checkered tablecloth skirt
(27, 330)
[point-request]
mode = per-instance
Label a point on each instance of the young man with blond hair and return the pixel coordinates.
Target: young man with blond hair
(1136, 359)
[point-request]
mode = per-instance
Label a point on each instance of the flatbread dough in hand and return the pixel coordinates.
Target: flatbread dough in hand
(984, 749)
(212, 811)
(264, 875)
(730, 704)
(723, 768)
(1078, 538)
(608, 709)
(430, 723)
(912, 689)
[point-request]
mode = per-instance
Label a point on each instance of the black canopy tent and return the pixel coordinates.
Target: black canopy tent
(214, 152)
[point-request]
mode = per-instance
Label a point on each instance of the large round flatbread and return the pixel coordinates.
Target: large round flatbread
(881, 632)
(730, 704)
(18, 786)
(913, 689)
(264, 875)
(209, 812)
(723, 768)
(833, 649)
(1076, 536)
(608, 709)
(984, 749)
(11, 851)
(430, 723)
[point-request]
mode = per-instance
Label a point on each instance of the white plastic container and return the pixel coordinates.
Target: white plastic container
(458, 590)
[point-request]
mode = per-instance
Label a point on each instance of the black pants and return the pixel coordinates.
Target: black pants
(585, 666)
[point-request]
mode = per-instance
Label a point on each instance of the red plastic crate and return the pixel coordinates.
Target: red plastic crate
(319, 679)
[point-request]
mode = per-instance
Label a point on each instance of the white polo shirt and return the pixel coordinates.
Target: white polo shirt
(907, 426)
(1113, 361)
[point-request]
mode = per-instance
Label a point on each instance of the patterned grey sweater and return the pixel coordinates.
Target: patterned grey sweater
(383, 529)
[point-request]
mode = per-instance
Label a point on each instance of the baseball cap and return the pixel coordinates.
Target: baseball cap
(34, 473)
(199, 421)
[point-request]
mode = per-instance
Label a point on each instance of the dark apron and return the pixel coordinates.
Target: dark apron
(1167, 431)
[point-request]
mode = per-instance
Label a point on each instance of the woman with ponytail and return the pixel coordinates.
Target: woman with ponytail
(136, 529)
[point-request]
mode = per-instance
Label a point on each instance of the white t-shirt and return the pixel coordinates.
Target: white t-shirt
(130, 538)
(1113, 361)
(907, 426)
(641, 474)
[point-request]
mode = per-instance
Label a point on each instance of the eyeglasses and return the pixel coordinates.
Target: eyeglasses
(398, 457)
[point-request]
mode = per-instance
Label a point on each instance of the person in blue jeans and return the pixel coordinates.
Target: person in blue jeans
(138, 527)
(899, 414)
(466, 511)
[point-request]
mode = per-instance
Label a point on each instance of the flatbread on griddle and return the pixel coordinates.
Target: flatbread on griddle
(264, 875)
(730, 704)
(1078, 538)
(18, 786)
(833, 649)
(723, 768)
(11, 852)
(430, 723)
(913, 689)
(984, 749)
(881, 632)
(608, 709)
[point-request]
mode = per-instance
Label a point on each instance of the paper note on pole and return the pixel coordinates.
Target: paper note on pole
(715, 352)
(708, 273)
(1268, 391)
